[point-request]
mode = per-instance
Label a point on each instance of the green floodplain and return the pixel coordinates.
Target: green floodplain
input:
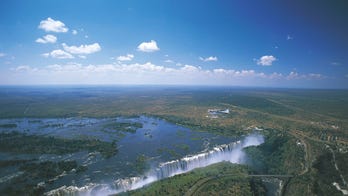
(305, 149)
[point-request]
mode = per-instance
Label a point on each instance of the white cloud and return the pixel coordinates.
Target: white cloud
(336, 63)
(146, 67)
(211, 58)
(190, 68)
(315, 76)
(23, 68)
(82, 56)
(45, 55)
(168, 61)
(266, 60)
(293, 75)
(82, 49)
(74, 32)
(288, 37)
(148, 46)
(276, 75)
(128, 57)
(2, 54)
(311, 76)
(239, 74)
(69, 67)
(47, 39)
(50, 25)
(58, 54)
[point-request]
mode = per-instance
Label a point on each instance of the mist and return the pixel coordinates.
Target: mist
(232, 152)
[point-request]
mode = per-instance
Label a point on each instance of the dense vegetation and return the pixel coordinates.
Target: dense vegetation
(218, 179)
(16, 142)
(326, 174)
(303, 122)
(130, 127)
(8, 126)
(141, 164)
(38, 173)
(307, 110)
(280, 154)
(7, 163)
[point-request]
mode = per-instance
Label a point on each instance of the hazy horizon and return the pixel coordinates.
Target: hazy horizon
(165, 86)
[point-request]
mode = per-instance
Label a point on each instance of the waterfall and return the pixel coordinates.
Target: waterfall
(232, 152)
(218, 154)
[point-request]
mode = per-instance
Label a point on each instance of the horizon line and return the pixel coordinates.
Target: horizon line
(167, 85)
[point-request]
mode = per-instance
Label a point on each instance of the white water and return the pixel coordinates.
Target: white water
(232, 152)
(344, 192)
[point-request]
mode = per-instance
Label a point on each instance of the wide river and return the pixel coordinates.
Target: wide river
(168, 149)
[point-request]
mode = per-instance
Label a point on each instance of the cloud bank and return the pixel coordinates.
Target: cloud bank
(127, 57)
(149, 73)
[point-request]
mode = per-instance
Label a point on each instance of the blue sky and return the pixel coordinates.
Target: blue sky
(271, 43)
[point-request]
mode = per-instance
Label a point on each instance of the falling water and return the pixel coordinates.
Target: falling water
(232, 152)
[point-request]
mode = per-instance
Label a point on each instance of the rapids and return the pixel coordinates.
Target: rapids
(232, 152)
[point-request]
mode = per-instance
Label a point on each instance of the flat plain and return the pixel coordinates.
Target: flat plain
(305, 129)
